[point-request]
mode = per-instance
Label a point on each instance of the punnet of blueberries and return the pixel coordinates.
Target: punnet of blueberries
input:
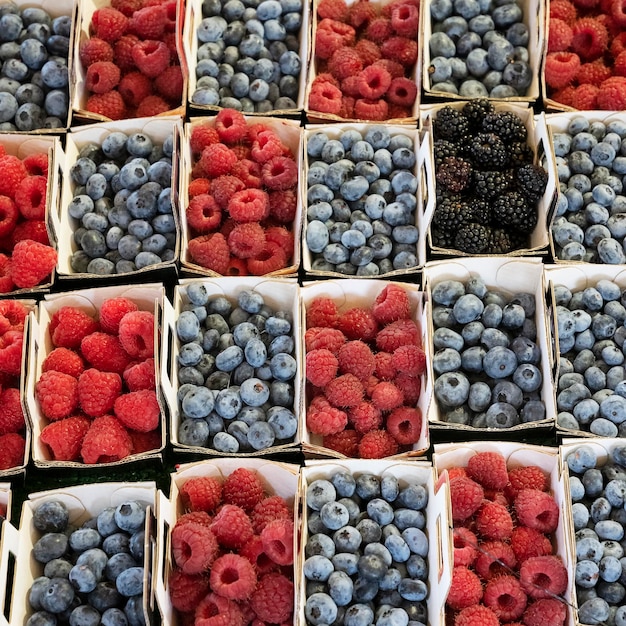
(92, 574)
(591, 387)
(487, 362)
(361, 202)
(590, 217)
(237, 372)
(366, 552)
(121, 210)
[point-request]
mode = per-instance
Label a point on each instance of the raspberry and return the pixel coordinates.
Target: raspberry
(152, 106)
(401, 50)
(134, 88)
(347, 107)
(527, 477)
(322, 312)
(543, 576)
(361, 13)
(170, 83)
(197, 517)
(368, 51)
(102, 76)
(94, 50)
(210, 251)
(187, 591)
(146, 442)
(151, 57)
(136, 334)
(465, 546)
(495, 558)
(247, 240)
(318, 338)
(199, 186)
(618, 12)
(561, 68)
(537, 509)
(377, 444)
(112, 311)
(386, 396)
(619, 65)
(345, 62)
(277, 538)
(505, 597)
(465, 589)
(326, 420)
(405, 20)
(97, 391)
(321, 367)
(32, 229)
(214, 610)
(466, 496)
(243, 488)
(585, 97)
(280, 235)
(8, 215)
(365, 417)
(13, 172)
(268, 510)
(410, 360)
(201, 493)
(222, 189)
(233, 577)
(396, 334)
(30, 197)
(333, 9)
(108, 24)
(65, 437)
(106, 441)
(110, 104)
(236, 267)
(545, 612)
(13, 315)
(391, 304)
(384, 366)
(69, 326)
(12, 448)
(104, 352)
(493, 521)
(57, 394)
(345, 442)
(528, 542)
(618, 44)
(232, 527)
(488, 469)
(36, 164)
(332, 35)
(350, 86)
(31, 263)
(612, 93)
(272, 600)
(405, 425)
(563, 10)
(11, 347)
(138, 410)
(374, 81)
(127, 7)
(202, 136)
(325, 98)
(379, 30)
(595, 73)
(272, 259)
(344, 391)
(194, 547)
(248, 172)
(265, 146)
(12, 416)
(375, 110)
(358, 323)
(590, 38)
(6, 284)
(249, 205)
(231, 126)
(123, 52)
(279, 173)
(560, 36)
(149, 22)
(411, 387)
(355, 357)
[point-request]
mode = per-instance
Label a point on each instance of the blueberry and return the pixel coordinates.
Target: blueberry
(52, 545)
(130, 582)
(130, 516)
(57, 596)
(320, 609)
(51, 516)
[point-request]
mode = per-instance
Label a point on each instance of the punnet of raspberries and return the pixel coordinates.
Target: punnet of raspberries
(97, 392)
(130, 60)
(243, 197)
(232, 552)
(506, 570)
(365, 56)
(364, 371)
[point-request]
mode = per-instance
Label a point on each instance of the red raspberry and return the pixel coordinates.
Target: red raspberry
(249, 205)
(590, 38)
(345, 62)
(560, 36)
(405, 20)
(36, 164)
(326, 77)
(106, 441)
(355, 357)
(223, 188)
(401, 50)
(365, 417)
(8, 215)
(13, 315)
(272, 259)
(368, 51)
(325, 98)
(214, 610)
(236, 267)
(585, 97)
(466, 496)
(318, 338)
(268, 510)
(397, 334)
(123, 52)
(146, 442)
(151, 57)
(350, 86)
(201, 493)
(30, 197)
(618, 44)
(505, 597)
(233, 577)
(495, 558)
(493, 521)
(232, 527)
(277, 538)
(11, 347)
(326, 420)
(243, 488)
(612, 93)
(345, 442)
(97, 391)
(197, 517)
(596, 72)
(231, 126)
(405, 425)
(618, 12)
(410, 360)
(187, 591)
(465, 546)
(361, 13)
(375, 110)
(202, 136)
(210, 251)
(194, 547)
(199, 186)
(391, 304)
(136, 334)
(102, 76)
(247, 240)
(93, 50)
(563, 10)
(253, 551)
(110, 104)
(32, 229)
(411, 387)
(488, 469)
(374, 81)
(543, 576)
(379, 30)
(134, 88)
(465, 589)
(6, 284)
(152, 106)
(528, 542)
(385, 368)
(402, 91)
(12, 416)
(140, 376)
(217, 160)
(104, 352)
(527, 477)
(545, 612)
(344, 391)
(279, 173)
(112, 311)
(561, 68)
(12, 447)
(170, 83)
(346, 32)
(149, 22)
(65, 437)
(127, 7)
(13, 171)
(272, 600)
(31, 263)
(69, 326)
(619, 65)
(108, 24)
(386, 396)
(138, 410)
(537, 509)
(57, 394)
(279, 234)
(377, 444)
(321, 367)
(283, 206)
(358, 323)
(333, 9)
(347, 107)
(248, 172)
(265, 146)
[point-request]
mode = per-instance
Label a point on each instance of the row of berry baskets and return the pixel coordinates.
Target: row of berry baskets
(488, 533)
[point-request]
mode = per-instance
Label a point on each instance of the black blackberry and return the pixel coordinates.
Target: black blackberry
(486, 151)
(450, 124)
(440, 239)
(489, 184)
(454, 174)
(481, 211)
(520, 153)
(450, 214)
(507, 125)
(512, 210)
(472, 238)
(443, 149)
(532, 181)
(499, 242)
(476, 110)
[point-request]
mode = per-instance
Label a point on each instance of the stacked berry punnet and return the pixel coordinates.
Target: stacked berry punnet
(237, 371)
(363, 372)
(480, 49)
(585, 67)
(365, 56)
(488, 185)
(361, 201)
(366, 551)
(590, 217)
(597, 489)
(130, 61)
(249, 55)
(506, 570)
(233, 552)
(591, 387)
(92, 574)
(243, 196)
(487, 362)
(97, 390)
(34, 88)
(121, 204)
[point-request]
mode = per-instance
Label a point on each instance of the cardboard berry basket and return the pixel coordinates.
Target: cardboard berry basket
(18, 567)
(282, 294)
(449, 455)
(291, 135)
(79, 93)
(438, 521)
(541, 144)
(319, 117)
(148, 297)
(348, 294)
(509, 276)
(534, 12)
(425, 192)
(279, 479)
(193, 18)
(5, 499)
(158, 129)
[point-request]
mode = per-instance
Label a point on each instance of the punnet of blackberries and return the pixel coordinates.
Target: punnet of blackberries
(487, 362)
(488, 185)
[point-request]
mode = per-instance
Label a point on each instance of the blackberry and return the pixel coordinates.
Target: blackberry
(472, 238)
(476, 110)
(520, 153)
(441, 239)
(449, 214)
(481, 211)
(512, 210)
(450, 124)
(507, 125)
(443, 149)
(454, 174)
(499, 242)
(532, 181)
(489, 184)
(487, 151)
